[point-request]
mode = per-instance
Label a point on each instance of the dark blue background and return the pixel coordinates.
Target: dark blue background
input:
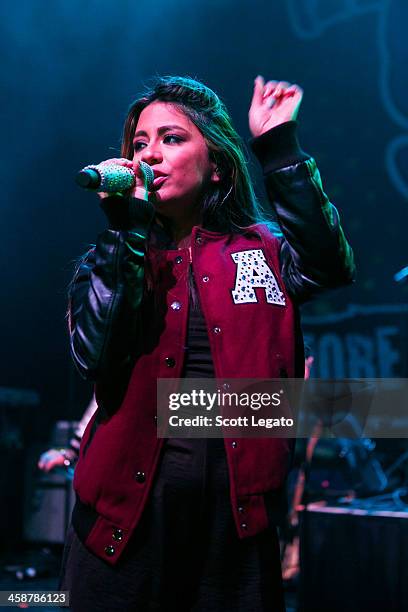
(72, 67)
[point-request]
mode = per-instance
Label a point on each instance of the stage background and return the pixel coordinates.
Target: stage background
(70, 69)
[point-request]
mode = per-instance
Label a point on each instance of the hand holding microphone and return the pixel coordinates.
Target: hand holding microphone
(119, 177)
(116, 176)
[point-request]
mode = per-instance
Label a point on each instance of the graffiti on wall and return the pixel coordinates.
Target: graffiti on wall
(310, 19)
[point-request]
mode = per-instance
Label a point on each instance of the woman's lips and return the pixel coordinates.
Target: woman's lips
(158, 182)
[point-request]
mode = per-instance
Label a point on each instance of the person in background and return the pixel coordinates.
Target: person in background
(291, 543)
(68, 456)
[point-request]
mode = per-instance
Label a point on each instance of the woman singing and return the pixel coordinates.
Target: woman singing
(189, 280)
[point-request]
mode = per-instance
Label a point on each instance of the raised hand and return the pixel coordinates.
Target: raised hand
(273, 103)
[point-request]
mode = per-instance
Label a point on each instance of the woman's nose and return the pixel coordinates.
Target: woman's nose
(151, 155)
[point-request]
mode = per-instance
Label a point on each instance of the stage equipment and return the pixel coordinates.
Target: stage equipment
(18, 409)
(49, 497)
(354, 556)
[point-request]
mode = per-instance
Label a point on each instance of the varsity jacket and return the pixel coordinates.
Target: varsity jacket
(125, 337)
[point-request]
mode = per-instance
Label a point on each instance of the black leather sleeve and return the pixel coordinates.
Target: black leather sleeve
(107, 290)
(315, 254)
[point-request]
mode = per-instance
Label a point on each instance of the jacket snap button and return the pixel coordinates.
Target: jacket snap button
(226, 386)
(206, 279)
(140, 477)
(234, 444)
(217, 330)
(244, 526)
(175, 305)
(109, 550)
(170, 362)
(117, 535)
(199, 240)
(240, 509)
(178, 259)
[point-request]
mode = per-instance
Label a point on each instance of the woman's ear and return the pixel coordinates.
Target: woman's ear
(216, 174)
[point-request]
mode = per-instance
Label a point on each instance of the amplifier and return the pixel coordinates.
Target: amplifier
(48, 497)
(353, 559)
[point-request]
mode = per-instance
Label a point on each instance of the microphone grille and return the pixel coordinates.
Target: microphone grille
(148, 172)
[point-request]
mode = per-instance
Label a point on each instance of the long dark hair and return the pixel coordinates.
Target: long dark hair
(229, 205)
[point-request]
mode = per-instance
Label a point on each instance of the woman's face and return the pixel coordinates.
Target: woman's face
(167, 140)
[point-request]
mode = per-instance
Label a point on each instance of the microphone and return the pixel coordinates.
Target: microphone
(112, 177)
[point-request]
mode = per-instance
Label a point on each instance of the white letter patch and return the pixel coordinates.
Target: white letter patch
(253, 271)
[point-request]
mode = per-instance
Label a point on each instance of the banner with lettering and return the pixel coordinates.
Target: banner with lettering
(363, 341)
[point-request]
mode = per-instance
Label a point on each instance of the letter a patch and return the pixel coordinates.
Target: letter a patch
(252, 272)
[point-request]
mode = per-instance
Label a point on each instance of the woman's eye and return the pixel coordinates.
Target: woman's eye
(172, 139)
(138, 145)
